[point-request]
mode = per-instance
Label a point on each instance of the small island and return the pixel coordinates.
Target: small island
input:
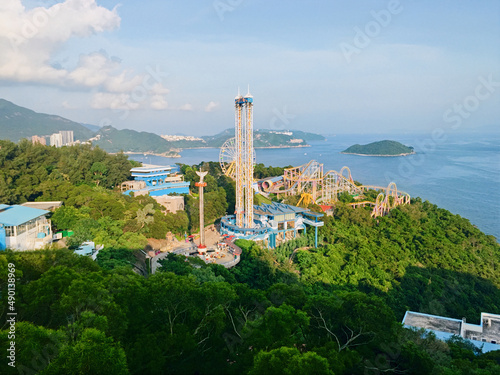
(380, 148)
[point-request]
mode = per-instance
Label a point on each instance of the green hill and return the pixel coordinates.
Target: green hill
(266, 138)
(18, 122)
(114, 140)
(381, 148)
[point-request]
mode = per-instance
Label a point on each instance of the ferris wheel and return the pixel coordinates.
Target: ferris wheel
(227, 158)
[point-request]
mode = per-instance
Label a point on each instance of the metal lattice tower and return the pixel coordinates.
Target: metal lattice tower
(201, 185)
(249, 161)
(244, 160)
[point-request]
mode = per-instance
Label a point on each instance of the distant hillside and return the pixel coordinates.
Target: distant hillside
(18, 122)
(94, 128)
(381, 148)
(114, 140)
(266, 138)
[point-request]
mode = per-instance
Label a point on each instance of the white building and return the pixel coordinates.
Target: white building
(485, 336)
(67, 137)
(63, 138)
(24, 228)
(56, 140)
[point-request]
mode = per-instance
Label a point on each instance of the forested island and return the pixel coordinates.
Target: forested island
(380, 148)
(332, 310)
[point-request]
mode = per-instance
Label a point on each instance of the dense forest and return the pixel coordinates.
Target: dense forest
(296, 309)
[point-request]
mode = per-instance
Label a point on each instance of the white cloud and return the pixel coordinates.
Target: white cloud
(67, 105)
(211, 106)
(186, 107)
(103, 100)
(158, 102)
(29, 38)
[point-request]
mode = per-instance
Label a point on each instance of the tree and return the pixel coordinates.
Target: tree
(289, 361)
(145, 215)
(93, 353)
(99, 170)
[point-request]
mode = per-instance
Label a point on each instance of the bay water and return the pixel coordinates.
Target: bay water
(458, 172)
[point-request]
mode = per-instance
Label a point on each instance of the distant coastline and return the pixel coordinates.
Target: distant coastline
(176, 154)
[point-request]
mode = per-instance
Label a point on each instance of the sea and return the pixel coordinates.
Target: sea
(458, 172)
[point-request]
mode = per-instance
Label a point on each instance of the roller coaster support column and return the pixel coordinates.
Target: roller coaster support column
(201, 185)
(316, 237)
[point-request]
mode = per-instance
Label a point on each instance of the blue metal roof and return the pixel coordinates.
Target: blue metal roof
(276, 208)
(17, 215)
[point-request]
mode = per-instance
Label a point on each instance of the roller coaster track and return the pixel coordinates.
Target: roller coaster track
(324, 188)
(305, 178)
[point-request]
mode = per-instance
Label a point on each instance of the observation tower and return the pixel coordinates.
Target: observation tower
(243, 106)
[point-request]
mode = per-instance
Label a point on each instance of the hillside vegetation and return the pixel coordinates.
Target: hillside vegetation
(18, 122)
(296, 309)
(113, 140)
(382, 148)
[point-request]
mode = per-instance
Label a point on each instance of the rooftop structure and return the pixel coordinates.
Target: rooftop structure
(24, 228)
(274, 224)
(485, 336)
(48, 205)
(155, 181)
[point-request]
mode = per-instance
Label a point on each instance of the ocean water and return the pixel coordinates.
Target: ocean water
(458, 172)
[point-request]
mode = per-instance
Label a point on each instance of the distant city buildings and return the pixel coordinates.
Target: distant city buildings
(40, 140)
(180, 138)
(283, 132)
(63, 138)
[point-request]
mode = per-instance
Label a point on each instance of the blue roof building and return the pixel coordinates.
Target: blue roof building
(24, 228)
(155, 181)
(274, 224)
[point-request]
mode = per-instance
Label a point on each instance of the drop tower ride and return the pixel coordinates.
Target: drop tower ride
(243, 106)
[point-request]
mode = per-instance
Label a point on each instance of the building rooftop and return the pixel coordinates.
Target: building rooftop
(433, 322)
(485, 335)
(17, 215)
(276, 208)
(151, 169)
(50, 205)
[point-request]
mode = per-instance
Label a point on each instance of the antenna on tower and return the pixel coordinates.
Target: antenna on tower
(248, 95)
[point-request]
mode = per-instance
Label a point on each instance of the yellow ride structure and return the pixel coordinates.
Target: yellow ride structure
(324, 188)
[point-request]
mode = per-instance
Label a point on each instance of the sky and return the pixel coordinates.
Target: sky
(325, 66)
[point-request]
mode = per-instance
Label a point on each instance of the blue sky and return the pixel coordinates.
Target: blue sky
(325, 66)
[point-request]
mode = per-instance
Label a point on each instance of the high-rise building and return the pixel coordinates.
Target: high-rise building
(67, 137)
(36, 139)
(56, 140)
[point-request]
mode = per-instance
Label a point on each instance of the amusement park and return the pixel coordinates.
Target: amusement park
(273, 221)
